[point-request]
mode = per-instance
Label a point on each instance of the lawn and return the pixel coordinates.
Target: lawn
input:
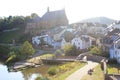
(64, 69)
(74, 66)
(113, 68)
(61, 75)
(97, 74)
(47, 55)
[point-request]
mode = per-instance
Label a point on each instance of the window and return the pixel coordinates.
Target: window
(115, 52)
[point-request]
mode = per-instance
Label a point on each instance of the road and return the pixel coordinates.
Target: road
(82, 72)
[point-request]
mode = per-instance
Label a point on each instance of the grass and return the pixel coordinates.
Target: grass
(65, 74)
(97, 74)
(113, 69)
(43, 70)
(64, 69)
(47, 55)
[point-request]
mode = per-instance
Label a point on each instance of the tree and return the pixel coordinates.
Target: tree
(95, 50)
(68, 36)
(27, 49)
(70, 50)
(33, 15)
(42, 42)
(58, 53)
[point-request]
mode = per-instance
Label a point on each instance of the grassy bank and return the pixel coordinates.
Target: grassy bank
(62, 74)
(113, 68)
(97, 75)
(64, 70)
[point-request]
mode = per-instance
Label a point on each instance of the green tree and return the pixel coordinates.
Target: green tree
(70, 50)
(27, 49)
(12, 57)
(34, 15)
(68, 36)
(95, 50)
(4, 52)
(53, 70)
(41, 78)
(42, 42)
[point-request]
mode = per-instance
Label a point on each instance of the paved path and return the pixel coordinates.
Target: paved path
(81, 72)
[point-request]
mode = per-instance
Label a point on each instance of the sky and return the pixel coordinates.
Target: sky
(76, 10)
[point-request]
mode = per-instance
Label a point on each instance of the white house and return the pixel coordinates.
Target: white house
(36, 40)
(47, 39)
(77, 41)
(81, 42)
(115, 50)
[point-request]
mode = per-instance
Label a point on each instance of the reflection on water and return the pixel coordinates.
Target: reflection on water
(5, 75)
(27, 74)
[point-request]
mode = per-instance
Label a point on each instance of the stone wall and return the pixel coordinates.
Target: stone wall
(94, 58)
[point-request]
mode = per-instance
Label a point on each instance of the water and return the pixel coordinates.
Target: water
(27, 74)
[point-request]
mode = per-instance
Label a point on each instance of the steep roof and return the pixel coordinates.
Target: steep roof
(54, 14)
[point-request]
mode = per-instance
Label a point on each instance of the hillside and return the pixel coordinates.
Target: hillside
(101, 20)
(17, 35)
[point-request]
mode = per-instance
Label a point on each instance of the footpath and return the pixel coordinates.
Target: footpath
(82, 71)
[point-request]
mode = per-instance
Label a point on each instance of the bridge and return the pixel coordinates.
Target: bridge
(57, 60)
(64, 59)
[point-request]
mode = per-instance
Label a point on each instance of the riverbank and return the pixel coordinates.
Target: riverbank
(66, 69)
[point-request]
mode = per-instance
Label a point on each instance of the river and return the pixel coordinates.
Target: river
(26, 74)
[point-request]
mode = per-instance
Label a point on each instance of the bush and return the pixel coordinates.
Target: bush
(70, 50)
(41, 78)
(4, 52)
(105, 54)
(95, 50)
(53, 71)
(12, 58)
(66, 67)
(27, 49)
(112, 61)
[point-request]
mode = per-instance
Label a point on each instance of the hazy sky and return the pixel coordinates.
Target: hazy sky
(76, 10)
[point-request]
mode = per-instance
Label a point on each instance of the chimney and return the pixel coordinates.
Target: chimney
(48, 9)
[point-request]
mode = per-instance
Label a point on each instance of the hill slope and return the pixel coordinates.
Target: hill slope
(101, 20)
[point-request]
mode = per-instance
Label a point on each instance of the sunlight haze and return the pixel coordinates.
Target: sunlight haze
(76, 10)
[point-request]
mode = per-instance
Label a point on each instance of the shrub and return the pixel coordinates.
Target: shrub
(11, 58)
(38, 78)
(66, 67)
(27, 49)
(53, 71)
(41, 78)
(112, 61)
(105, 54)
(95, 50)
(70, 50)
(4, 51)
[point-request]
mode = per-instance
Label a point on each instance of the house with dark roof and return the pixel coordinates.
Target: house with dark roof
(54, 18)
(115, 50)
(111, 43)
